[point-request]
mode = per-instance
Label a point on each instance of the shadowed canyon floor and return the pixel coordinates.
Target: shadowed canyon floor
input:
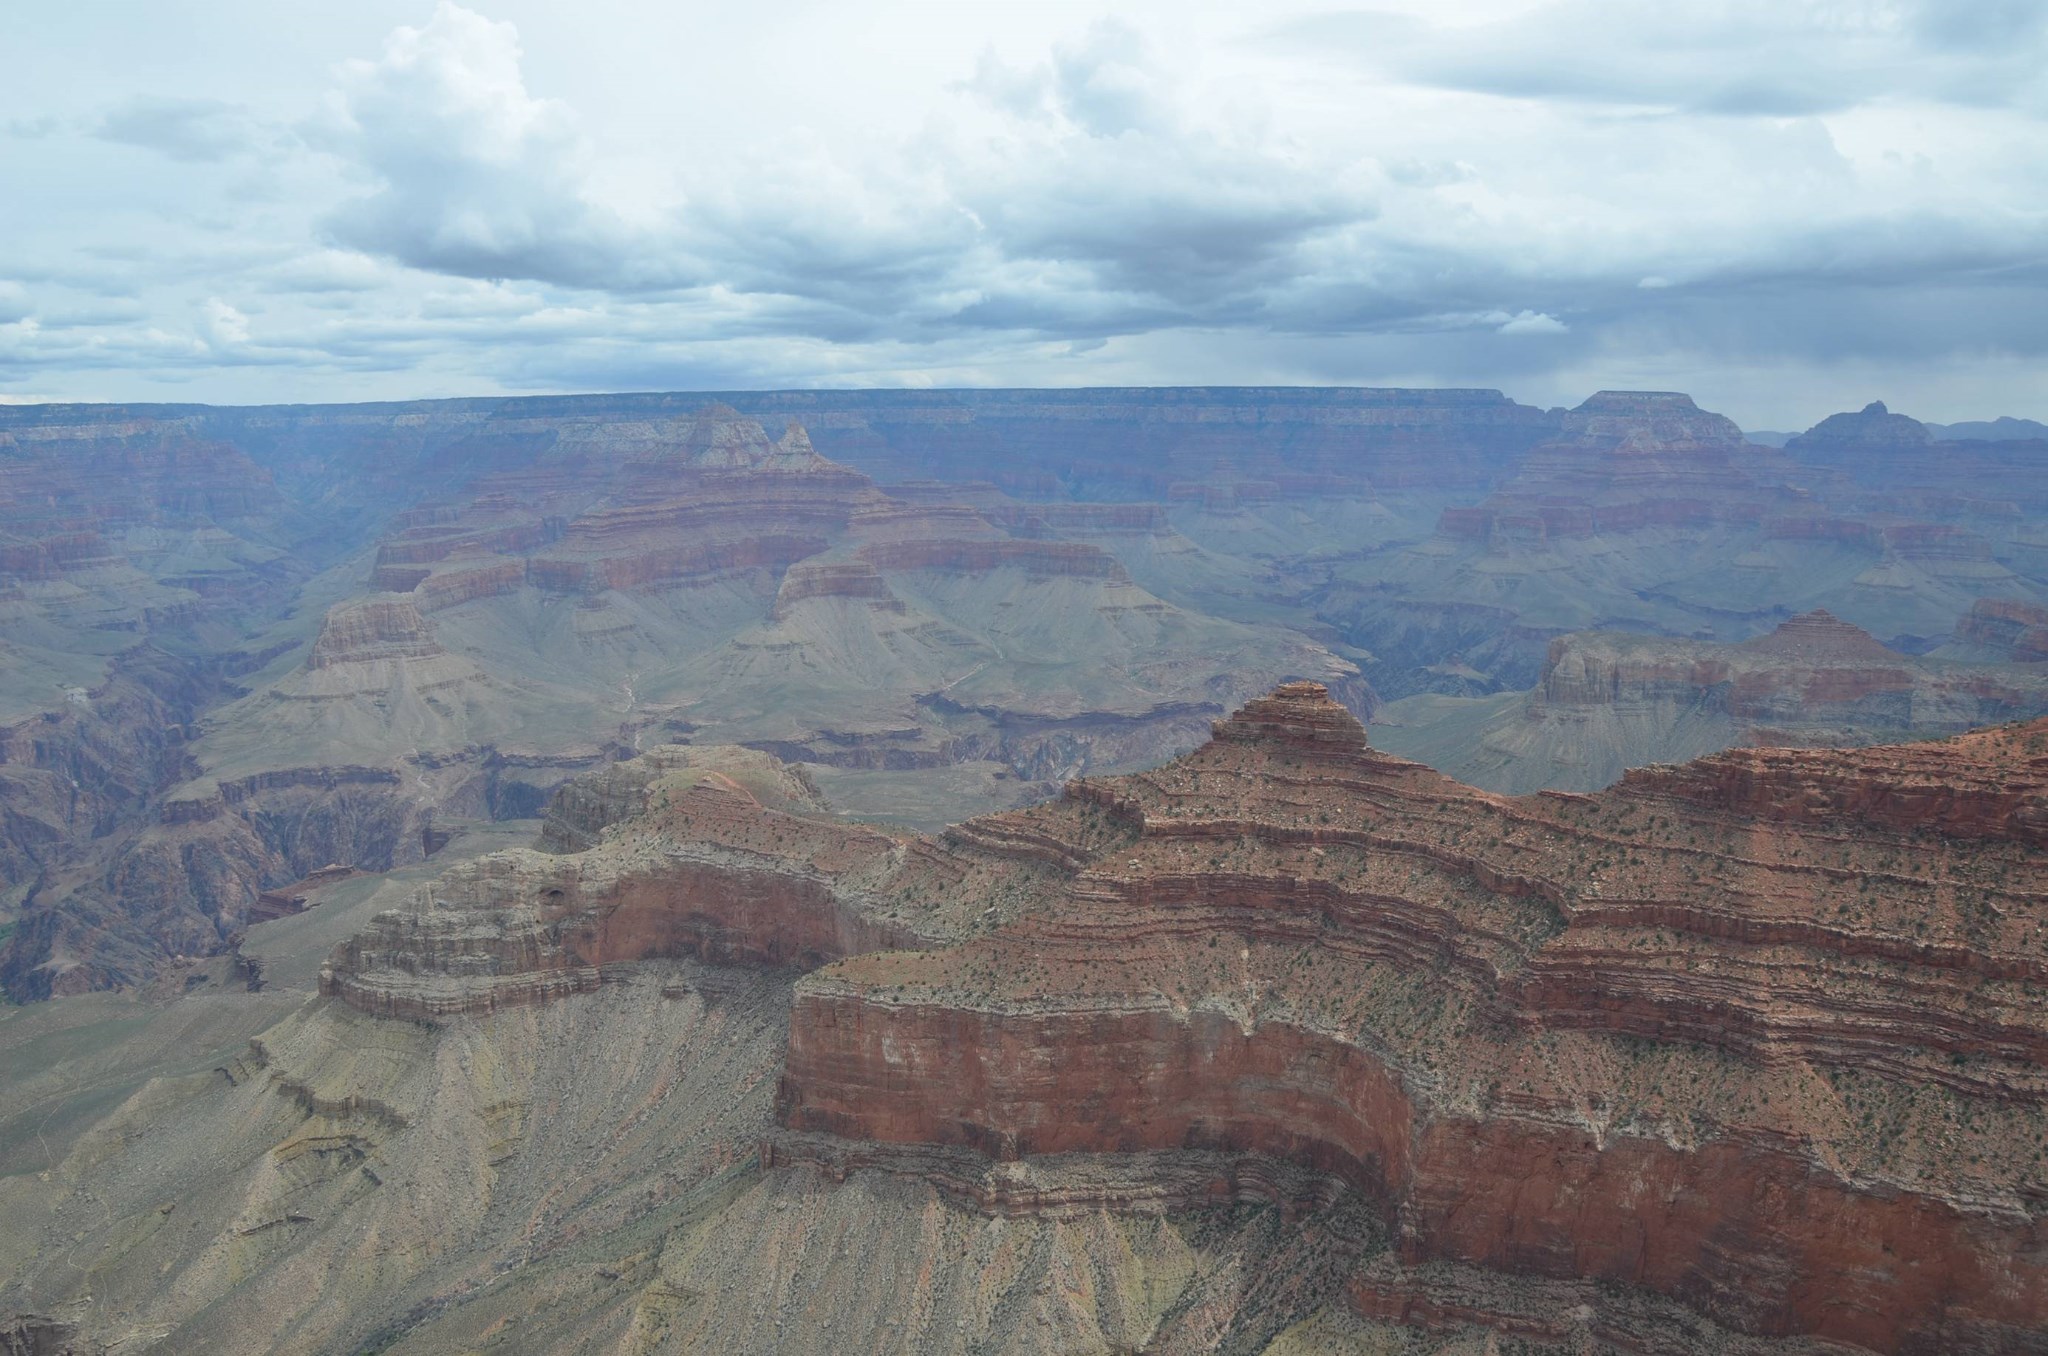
(1286, 1046)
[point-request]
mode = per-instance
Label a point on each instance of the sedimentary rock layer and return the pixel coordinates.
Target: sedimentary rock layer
(1764, 1034)
(1693, 1035)
(1608, 702)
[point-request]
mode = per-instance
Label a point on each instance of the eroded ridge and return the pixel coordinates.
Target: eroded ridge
(722, 854)
(1764, 1033)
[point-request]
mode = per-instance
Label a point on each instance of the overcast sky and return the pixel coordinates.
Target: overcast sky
(1784, 207)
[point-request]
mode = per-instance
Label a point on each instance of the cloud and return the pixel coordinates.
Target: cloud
(1077, 198)
(323, 271)
(473, 175)
(190, 130)
(1093, 205)
(1770, 58)
(224, 326)
(1982, 25)
(1104, 84)
(1532, 322)
(1584, 191)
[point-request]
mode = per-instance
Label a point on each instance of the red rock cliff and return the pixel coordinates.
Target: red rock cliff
(1765, 1034)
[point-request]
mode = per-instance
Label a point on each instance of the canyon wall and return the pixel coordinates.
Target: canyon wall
(1608, 702)
(1763, 1034)
(1668, 1038)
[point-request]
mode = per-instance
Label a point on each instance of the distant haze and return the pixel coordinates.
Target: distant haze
(1784, 208)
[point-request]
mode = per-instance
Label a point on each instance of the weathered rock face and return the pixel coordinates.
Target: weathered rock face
(1118, 444)
(1896, 460)
(729, 859)
(1646, 514)
(1650, 421)
(1610, 702)
(1668, 1037)
(903, 633)
(1763, 1034)
(72, 784)
(1001, 589)
(1872, 428)
(1815, 677)
(577, 582)
(1627, 461)
(383, 628)
(2003, 629)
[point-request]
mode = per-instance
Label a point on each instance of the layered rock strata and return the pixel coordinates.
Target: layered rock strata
(1624, 461)
(2002, 629)
(1608, 702)
(1764, 1034)
(730, 858)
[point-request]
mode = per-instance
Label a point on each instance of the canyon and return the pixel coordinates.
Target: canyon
(1287, 1044)
(364, 627)
(675, 872)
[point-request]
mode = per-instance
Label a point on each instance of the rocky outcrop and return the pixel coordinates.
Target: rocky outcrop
(584, 807)
(1874, 429)
(1911, 473)
(1626, 461)
(1075, 560)
(727, 855)
(1610, 702)
(379, 629)
(1650, 422)
(1054, 583)
(749, 885)
(1668, 1038)
(1990, 786)
(834, 579)
(1762, 1036)
(42, 1335)
(2002, 629)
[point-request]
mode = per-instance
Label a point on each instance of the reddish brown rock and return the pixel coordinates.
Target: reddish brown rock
(1764, 1035)
(730, 859)
(1668, 1037)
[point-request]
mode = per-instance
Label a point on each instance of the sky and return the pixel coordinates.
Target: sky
(1783, 207)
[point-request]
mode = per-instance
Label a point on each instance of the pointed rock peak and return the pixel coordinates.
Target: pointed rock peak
(793, 452)
(1872, 426)
(1820, 636)
(1300, 717)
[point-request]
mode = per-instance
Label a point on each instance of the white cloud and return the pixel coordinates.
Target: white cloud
(1533, 322)
(223, 325)
(473, 175)
(1514, 194)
